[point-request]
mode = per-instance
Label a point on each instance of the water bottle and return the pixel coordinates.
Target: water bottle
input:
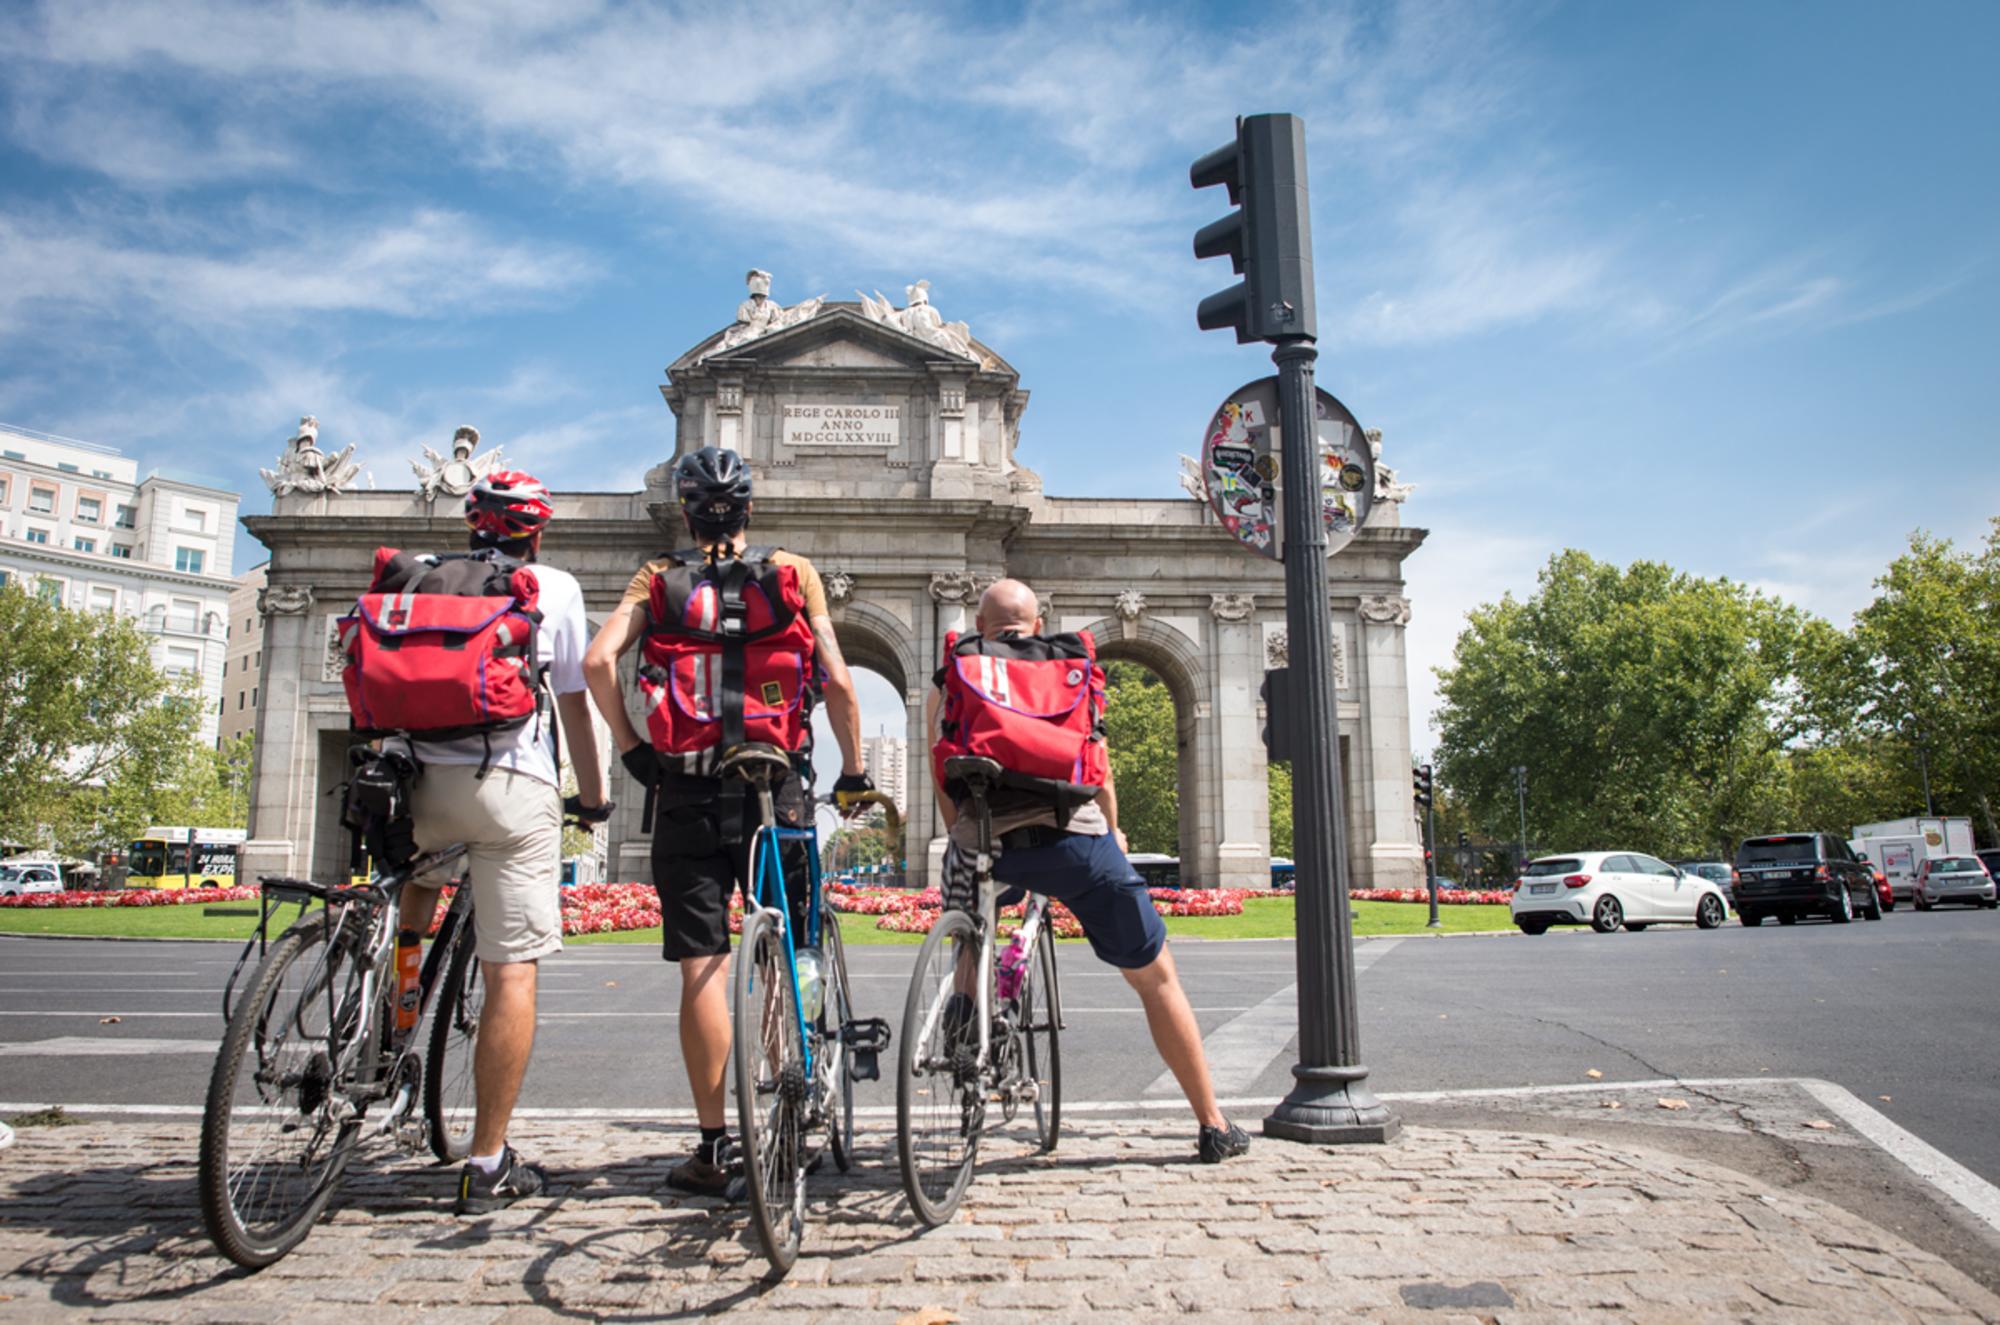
(1013, 966)
(812, 983)
(409, 977)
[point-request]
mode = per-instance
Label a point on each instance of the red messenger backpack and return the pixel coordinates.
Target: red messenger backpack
(442, 646)
(1034, 704)
(728, 656)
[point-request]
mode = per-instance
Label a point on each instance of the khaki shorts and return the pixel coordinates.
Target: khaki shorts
(511, 825)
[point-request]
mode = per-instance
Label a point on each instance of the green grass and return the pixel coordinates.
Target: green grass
(1262, 918)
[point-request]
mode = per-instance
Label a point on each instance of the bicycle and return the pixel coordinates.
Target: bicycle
(798, 1047)
(970, 1040)
(312, 1046)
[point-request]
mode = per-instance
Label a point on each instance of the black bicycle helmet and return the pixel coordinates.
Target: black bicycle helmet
(714, 487)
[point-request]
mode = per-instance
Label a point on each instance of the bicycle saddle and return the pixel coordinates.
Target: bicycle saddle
(754, 761)
(972, 769)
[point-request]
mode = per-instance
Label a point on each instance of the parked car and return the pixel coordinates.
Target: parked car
(20, 880)
(1609, 890)
(1954, 879)
(1716, 872)
(1991, 860)
(1789, 875)
(1885, 891)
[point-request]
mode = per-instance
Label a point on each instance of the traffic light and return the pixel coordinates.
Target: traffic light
(1276, 694)
(1269, 241)
(1421, 781)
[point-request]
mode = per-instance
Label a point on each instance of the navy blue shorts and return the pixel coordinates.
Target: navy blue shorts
(1090, 875)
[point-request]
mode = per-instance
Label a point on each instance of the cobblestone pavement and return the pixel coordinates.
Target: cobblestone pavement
(100, 1220)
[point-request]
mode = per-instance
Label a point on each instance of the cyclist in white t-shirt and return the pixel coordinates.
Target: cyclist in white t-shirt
(501, 796)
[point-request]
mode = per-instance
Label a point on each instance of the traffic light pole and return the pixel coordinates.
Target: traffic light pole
(1431, 864)
(1329, 1103)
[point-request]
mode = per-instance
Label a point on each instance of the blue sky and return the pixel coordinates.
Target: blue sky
(1708, 283)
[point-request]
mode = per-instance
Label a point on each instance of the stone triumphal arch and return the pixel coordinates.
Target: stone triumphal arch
(883, 440)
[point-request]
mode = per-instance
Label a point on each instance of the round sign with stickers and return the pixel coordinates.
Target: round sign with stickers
(1240, 468)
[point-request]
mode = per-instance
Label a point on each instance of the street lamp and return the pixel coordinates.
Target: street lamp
(1521, 800)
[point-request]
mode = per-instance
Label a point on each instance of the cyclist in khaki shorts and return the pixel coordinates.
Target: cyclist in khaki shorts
(500, 795)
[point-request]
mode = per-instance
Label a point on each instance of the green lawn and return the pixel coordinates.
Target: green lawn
(1262, 918)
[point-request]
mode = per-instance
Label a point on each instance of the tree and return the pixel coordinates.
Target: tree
(1925, 666)
(1278, 789)
(1140, 727)
(94, 735)
(213, 789)
(1649, 707)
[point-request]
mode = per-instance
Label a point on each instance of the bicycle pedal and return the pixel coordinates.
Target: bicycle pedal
(864, 1065)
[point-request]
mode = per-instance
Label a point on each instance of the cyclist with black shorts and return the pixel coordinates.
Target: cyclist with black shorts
(1073, 853)
(701, 697)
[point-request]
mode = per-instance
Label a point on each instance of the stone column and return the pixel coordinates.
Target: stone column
(283, 781)
(952, 593)
(1236, 766)
(1395, 856)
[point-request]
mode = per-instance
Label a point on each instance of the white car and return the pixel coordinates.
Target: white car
(1609, 890)
(18, 880)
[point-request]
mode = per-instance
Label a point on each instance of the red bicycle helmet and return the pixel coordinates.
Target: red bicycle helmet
(507, 505)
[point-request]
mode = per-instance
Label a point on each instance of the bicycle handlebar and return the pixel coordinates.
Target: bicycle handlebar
(851, 802)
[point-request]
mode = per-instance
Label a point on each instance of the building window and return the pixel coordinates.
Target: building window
(90, 510)
(122, 551)
(241, 695)
(100, 473)
(13, 455)
(126, 517)
(182, 660)
(36, 535)
(42, 501)
(86, 545)
(103, 598)
(189, 560)
(50, 589)
(6, 577)
(253, 696)
(186, 615)
(5, 489)
(67, 468)
(194, 518)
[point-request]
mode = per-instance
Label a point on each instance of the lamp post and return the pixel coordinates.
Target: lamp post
(1521, 800)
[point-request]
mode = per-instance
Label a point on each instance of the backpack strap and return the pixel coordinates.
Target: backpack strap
(730, 577)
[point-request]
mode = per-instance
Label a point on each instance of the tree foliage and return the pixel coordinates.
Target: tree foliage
(93, 738)
(1140, 727)
(1279, 791)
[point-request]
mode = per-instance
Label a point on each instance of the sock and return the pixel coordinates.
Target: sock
(711, 1138)
(487, 1164)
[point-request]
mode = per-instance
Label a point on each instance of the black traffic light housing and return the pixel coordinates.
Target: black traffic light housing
(1276, 693)
(1420, 780)
(1268, 241)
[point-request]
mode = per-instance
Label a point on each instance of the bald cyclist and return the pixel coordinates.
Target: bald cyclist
(1082, 864)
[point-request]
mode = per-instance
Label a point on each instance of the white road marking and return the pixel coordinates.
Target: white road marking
(1240, 1049)
(1935, 1167)
(27, 1012)
(86, 1047)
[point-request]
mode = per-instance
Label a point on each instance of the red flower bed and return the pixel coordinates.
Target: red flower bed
(133, 897)
(1446, 896)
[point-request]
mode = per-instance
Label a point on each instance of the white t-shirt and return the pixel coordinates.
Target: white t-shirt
(559, 645)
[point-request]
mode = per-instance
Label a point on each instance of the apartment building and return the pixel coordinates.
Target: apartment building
(79, 526)
(882, 758)
(244, 658)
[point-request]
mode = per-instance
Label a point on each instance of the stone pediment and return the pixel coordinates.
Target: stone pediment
(840, 336)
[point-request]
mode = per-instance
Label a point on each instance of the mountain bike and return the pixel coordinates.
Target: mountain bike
(979, 1028)
(798, 1047)
(312, 1046)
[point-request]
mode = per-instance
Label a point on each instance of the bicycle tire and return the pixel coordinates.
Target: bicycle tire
(450, 1098)
(254, 1245)
(837, 1015)
(1041, 1031)
(770, 1089)
(941, 1089)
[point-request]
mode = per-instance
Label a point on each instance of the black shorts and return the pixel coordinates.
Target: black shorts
(695, 871)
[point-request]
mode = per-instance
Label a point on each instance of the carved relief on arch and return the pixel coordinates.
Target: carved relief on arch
(1278, 652)
(1232, 606)
(839, 587)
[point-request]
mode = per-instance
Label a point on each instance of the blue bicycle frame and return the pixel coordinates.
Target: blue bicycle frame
(768, 880)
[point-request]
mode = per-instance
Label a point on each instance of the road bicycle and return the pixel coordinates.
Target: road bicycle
(798, 1047)
(979, 1028)
(312, 1046)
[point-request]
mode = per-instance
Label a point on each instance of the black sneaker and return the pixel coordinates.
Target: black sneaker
(481, 1193)
(701, 1175)
(1216, 1144)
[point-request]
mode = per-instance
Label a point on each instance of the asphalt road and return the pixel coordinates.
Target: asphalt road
(1908, 1009)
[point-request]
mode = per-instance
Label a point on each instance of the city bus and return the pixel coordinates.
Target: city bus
(184, 858)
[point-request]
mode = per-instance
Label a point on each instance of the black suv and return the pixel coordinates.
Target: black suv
(1789, 875)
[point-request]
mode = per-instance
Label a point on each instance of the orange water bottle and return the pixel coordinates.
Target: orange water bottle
(409, 974)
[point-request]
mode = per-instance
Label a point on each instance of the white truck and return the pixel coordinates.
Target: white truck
(1898, 846)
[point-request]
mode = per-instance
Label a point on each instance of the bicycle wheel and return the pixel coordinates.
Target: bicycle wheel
(940, 1101)
(448, 1085)
(835, 1059)
(1040, 1015)
(770, 1088)
(276, 1133)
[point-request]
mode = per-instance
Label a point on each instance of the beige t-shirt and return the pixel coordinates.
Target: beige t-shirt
(641, 588)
